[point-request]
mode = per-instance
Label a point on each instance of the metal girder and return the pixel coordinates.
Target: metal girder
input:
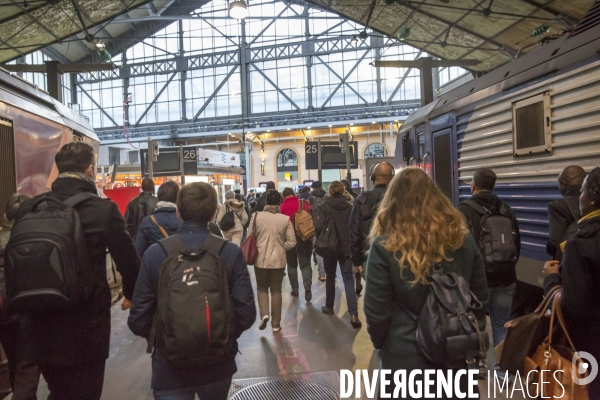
(269, 25)
(344, 79)
(288, 98)
(155, 99)
(97, 105)
(217, 29)
(419, 63)
(214, 93)
(62, 68)
(399, 85)
(330, 29)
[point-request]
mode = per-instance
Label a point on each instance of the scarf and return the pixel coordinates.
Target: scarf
(161, 204)
(591, 215)
(76, 175)
(272, 209)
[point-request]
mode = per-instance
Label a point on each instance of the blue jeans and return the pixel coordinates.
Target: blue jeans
(330, 264)
(211, 391)
(320, 266)
(501, 298)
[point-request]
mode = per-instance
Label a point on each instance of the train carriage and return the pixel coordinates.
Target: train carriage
(527, 121)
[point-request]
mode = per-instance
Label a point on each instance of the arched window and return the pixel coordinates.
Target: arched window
(287, 165)
(375, 150)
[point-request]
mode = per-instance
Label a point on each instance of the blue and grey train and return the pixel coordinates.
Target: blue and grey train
(526, 120)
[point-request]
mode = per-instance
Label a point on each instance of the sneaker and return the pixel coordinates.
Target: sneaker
(276, 328)
(355, 322)
(308, 295)
(327, 310)
(295, 293)
(322, 278)
(263, 322)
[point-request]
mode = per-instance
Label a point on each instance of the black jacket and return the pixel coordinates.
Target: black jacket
(560, 216)
(149, 233)
(339, 209)
(491, 201)
(260, 203)
(361, 214)
(580, 298)
(137, 209)
(317, 193)
(82, 335)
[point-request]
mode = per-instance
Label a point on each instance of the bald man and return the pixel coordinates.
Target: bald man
(362, 216)
(564, 213)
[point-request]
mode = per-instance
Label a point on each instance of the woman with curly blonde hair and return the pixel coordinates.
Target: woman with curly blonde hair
(416, 226)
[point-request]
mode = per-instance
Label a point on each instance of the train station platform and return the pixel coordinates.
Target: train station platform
(302, 361)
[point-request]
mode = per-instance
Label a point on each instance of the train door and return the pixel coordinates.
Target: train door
(442, 162)
(423, 155)
(8, 175)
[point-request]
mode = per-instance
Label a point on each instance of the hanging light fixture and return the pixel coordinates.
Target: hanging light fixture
(354, 39)
(238, 9)
(102, 52)
(404, 33)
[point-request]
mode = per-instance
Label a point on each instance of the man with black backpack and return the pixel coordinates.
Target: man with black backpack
(317, 196)
(140, 207)
(564, 213)
(491, 221)
(193, 299)
(67, 314)
(362, 216)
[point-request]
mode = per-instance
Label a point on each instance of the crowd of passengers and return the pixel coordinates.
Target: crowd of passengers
(389, 237)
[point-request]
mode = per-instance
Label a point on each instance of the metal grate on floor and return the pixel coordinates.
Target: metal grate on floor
(315, 386)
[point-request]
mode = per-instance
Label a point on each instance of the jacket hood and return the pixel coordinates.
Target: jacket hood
(233, 203)
(338, 202)
(318, 193)
(487, 200)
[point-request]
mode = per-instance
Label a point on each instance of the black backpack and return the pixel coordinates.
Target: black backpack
(47, 265)
(496, 239)
(228, 220)
(369, 211)
(327, 241)
(194, 321)
(315, 203)
(447, 330)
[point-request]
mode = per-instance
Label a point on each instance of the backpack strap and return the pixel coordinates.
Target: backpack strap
(79, 198)
(173, 245)
(160, 228)
(479, 209)
(213, 244)
(370, 196)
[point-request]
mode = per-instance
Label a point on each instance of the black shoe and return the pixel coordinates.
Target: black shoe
(327, 310)
(307, 295)
(295, 293)
(355, 322)
(359, 289)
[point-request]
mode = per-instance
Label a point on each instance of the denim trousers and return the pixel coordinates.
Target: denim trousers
(210, 391)
(501, 298)
(302, 252)
(331, 263)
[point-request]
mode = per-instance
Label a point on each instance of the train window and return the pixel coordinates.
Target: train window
(531, 126)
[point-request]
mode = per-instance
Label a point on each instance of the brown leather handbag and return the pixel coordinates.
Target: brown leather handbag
(249, 247)
(524, 335)
(550, 370)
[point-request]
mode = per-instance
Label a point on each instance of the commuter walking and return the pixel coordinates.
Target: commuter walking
(207, 368)
(336, 210)
(163, 222)
(233, 211)
(564, 213)
(274, 237)
(492, 221)
(71, 345)
(304, 193)
(23, 374)
(303, 249)
(580, 277)
(317, 196)
(407, 238)
(140, 207)
(261, 201)
(362, 216)
(349, 189)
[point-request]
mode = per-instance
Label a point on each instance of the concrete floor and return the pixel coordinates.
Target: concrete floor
(310, 341)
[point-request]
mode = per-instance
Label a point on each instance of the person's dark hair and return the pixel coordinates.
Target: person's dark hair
(270, 185)
(273, 197)
(316, 185)
(13, 204)
(148, 185)
(237, 191)
(593, 185)
(336, 188)
(239, 197)
(287, 192)
(75, 157)
(305, 189)
(168, 191)
(197, 202)
(484, 178)
(252, 204)
(257, 195)
(345, 183)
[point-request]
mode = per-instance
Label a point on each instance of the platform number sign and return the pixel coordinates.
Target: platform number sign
(311, 153)
(190, 153)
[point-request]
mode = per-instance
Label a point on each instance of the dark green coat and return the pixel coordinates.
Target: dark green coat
(392, 330)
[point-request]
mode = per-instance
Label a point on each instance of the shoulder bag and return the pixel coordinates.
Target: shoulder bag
(249, 247)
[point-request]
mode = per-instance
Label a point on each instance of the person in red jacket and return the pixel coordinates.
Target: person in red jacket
(302, 251)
